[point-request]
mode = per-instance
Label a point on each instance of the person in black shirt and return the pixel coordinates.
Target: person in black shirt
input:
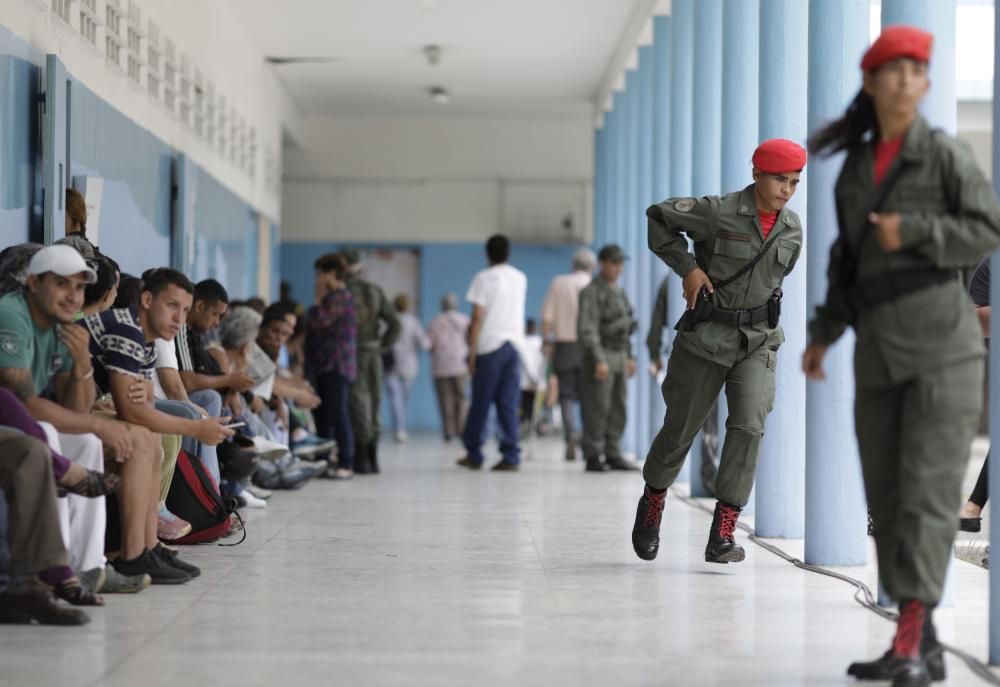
(970, 517)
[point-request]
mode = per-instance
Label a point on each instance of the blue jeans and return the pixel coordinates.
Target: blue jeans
(212, 403)
(497, 381)
(333, 418)
(397, 389)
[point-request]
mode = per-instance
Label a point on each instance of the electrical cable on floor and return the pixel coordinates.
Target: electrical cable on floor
(863, 593)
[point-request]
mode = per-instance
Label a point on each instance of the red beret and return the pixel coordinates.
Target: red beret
(777, 155)
(898, 41)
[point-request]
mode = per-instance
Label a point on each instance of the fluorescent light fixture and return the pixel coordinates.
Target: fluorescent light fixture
(439, 95)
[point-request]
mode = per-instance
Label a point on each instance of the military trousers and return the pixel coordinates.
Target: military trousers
(366, 396)
(692, 386)
(915, 439)
(603, 405)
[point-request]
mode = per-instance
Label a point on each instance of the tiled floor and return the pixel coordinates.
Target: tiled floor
(429, 575)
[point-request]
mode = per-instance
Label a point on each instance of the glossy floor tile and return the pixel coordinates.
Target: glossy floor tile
(431, 575)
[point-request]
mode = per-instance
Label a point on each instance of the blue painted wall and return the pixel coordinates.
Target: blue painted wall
(20, 148)
(136, 166)
(444, 267)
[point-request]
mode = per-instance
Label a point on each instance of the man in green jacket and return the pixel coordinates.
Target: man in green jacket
(745, 243)
(604, 327)
(373, 308)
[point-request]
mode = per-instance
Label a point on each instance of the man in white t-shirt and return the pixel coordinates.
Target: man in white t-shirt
(496, 339)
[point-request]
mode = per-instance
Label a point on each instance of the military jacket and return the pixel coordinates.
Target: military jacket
(605, 323)
(726, 234)
(950, 219)
(372, 307)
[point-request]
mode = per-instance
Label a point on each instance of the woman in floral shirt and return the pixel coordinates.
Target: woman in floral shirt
(331, 357)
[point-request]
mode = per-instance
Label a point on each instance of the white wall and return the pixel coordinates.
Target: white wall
(414, 180)
(210, 34)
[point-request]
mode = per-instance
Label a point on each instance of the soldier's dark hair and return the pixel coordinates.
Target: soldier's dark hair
(848, 131)
(211, 292)
(107, 272)
(332, 262)
(158, 279)
(498, 249)
(129, 288)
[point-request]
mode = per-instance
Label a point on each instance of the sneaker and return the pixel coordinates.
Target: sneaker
(116, 583)
(646, 531)
(169, 557)
(401, 437)
(722, 546)
(147, 563)
(169, 527)
(312, 444)
(337, 473)
(267, 449)
(93, 579)
(259, 492)
(310, 469)
(248, 500)
(467, 462)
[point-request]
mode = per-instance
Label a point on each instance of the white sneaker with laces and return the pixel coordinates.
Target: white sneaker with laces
(267, 449)
(251, 500)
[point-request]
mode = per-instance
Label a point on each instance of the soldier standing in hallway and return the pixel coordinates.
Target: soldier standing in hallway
(604, 329)
(745, 243)
(373, 308)
(913, 209)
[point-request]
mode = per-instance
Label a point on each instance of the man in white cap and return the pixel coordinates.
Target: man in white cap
(39, 349)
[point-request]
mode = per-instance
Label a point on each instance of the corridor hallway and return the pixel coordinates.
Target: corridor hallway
(432, 575)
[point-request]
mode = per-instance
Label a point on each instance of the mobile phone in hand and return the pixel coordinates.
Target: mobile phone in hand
(235, 425)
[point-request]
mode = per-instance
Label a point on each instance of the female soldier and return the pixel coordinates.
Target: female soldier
(913, 209)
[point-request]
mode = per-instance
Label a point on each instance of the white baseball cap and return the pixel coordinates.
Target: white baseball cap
(62, 260)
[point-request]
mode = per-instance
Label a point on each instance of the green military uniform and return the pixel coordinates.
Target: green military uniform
(919, 356)
(727, 234)
(604, 325)
(366, 391)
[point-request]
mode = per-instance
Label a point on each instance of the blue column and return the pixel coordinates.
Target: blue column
(780, 512)
(660, 188)
(681, 128)
(706, 153)
(618, 170)
(937, 16)
(994, 476)
(630, 231)
(642, 259)
(835, 497)
(600, 174)
(740, 57)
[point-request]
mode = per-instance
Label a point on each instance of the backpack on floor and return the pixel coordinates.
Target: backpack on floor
(194, 496)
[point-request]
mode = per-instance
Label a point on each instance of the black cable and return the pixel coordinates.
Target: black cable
(863, 593)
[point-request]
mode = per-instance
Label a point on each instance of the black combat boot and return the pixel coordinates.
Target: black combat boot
(722, 546)
(882, 668)
(362, 466)
(595, 465)
(646, 531)
(373, 457)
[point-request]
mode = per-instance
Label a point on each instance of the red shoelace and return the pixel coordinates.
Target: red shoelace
(906, 643)
(655, 509)
(727, 521)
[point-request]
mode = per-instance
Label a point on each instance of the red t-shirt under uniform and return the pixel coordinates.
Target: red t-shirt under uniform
(767, 220)
(885, 155)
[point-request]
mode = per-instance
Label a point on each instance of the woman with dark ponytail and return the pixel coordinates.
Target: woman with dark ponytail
(913, 209)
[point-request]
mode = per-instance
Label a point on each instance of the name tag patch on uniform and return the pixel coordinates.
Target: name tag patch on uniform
(685, 204)
(732, 235)
(10, 343)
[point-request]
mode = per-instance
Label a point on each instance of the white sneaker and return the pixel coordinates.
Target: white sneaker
(267, 449)
(259, 492)
(251, 500)
(401, 437)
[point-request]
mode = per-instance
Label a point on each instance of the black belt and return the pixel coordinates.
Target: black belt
(891, 286)
(739, 318)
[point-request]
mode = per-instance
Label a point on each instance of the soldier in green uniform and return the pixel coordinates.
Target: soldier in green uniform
(912, 209)
(745, 243)
(604, 327)
(366, 391)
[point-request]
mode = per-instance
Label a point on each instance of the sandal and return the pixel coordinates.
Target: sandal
(76, 594)
(93, 484)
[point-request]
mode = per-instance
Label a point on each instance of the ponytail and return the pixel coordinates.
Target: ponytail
(848, 131)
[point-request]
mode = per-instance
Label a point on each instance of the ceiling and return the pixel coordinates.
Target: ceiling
(499, 57)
